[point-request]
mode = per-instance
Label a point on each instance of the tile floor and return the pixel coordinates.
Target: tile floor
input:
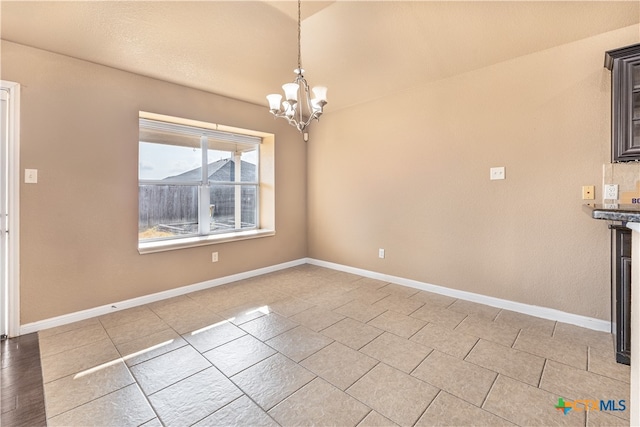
(312, 346)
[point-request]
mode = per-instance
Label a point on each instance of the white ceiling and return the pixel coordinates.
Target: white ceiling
(361, 50)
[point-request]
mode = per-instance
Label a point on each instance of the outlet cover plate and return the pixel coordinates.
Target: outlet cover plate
(611, 191)
(588, 192)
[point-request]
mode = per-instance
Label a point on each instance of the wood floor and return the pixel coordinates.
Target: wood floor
(21, 381)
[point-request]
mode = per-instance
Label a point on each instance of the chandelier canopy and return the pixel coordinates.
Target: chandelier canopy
(298, 108)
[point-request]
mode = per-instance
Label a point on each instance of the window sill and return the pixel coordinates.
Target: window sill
(191, 242)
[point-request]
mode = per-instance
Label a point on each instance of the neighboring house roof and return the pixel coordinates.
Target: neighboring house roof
(221, 170)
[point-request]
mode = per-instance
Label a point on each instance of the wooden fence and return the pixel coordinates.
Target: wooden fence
(178, 204)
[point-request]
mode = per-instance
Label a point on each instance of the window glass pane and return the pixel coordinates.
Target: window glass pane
(222, 166)
(169, 162)
(250, 166)
(636, 105)
(636, 133)
(223, 207)
(225, 204)
(167, 211)
(249, 206)
(636, 76)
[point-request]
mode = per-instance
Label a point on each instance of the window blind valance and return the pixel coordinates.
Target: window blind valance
(159, 132)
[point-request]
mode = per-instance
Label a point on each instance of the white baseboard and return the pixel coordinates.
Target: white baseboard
(543, 312)
(532, 310)
(146, 299)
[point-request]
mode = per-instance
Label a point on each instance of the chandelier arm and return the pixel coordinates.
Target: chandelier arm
(304, 92)
(307, 98)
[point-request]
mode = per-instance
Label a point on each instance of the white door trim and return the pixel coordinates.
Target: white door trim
(13, 188)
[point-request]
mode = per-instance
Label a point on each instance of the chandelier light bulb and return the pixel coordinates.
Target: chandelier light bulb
(274, 102)
(320, 93)
(291, 91)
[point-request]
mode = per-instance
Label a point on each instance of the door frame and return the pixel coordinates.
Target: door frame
(13, 210)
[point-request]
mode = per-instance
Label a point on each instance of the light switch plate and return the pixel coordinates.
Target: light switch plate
(31, 176)
(496, 173)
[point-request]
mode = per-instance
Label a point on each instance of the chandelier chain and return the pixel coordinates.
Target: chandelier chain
(299, 31)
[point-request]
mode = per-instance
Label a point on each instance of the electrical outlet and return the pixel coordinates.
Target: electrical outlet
(380, 253)
(496, 173)
(214, 256)
(588, 192)
(611, 191)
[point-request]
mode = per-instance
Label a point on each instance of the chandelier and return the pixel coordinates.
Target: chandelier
(298, 108)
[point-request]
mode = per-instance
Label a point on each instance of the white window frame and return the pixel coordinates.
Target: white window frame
(265, 220)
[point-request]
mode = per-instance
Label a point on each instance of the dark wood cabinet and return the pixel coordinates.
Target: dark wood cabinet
(621, 292)
(624, 64)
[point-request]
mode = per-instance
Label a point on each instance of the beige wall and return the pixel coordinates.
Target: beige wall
(410, 173)
(79, 124)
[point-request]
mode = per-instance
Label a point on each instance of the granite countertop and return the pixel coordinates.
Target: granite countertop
(626, 213)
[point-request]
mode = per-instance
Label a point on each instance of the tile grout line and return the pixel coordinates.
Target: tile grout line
(410, 314)
(121, 359)
(346, 390)
(170, 351)
(466, 316)
(76, 373)
(365, 416)
(433, 350)
(230, 378)
(516, 340)
(108, 338)
(505, 375)
(100, 397)
(470, 350)
(429, 405)
(489, 392)
(362, 376)
(144, 394)
(487, 397)
(417, 332)
(220, 408)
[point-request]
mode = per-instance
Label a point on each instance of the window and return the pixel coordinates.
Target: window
(197, 184)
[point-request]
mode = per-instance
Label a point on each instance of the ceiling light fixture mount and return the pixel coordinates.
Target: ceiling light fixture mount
(298, 107)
